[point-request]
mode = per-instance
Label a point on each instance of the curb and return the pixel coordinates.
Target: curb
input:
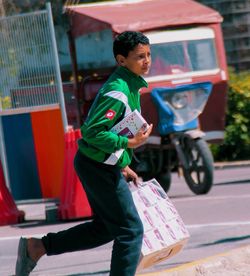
(235, 164)
(234, 262)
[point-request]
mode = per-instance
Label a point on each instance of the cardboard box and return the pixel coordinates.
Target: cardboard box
(165, 233)
(128, 126)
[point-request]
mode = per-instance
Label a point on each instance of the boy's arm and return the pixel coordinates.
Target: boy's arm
(96, 130)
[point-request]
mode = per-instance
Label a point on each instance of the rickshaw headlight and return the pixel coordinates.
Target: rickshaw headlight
(179, 100)
(186, 105)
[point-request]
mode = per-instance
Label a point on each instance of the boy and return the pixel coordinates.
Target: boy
(104, 179)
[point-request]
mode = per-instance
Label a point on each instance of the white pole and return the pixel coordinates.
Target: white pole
(3, 156)
(58, 74)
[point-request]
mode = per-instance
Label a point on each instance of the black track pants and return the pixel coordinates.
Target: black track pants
(115, 218)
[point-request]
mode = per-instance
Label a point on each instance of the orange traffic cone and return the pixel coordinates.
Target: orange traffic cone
(73, 201)
(9, 214)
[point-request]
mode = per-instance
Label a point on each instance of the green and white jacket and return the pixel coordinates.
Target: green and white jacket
(116, 99)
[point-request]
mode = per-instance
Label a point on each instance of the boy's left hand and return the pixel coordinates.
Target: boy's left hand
(140, 137)
(129, 174)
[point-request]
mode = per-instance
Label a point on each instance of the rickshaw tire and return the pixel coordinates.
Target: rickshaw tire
(164, 178)
(202, 188)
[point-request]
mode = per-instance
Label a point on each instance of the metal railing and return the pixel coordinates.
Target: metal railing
(29, 67)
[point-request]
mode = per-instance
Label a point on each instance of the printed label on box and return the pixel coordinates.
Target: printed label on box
(130, 125)
(164, 230)
(152, 243)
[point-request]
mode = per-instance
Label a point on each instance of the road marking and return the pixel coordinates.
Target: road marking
(231, 223)
(191, 226)
(200, 198)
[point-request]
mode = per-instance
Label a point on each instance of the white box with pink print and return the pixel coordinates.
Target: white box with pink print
(130, 125)
(165, 233)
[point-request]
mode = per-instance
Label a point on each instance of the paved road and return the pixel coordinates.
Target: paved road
(217, 222)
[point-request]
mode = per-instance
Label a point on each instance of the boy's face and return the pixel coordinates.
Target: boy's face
(138, 60)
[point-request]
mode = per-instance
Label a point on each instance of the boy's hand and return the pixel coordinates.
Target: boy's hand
(129, 174)
(139, 138)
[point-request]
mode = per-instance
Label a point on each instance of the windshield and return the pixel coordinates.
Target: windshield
(189, 53)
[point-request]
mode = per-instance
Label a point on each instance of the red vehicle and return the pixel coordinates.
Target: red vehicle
(187, 48)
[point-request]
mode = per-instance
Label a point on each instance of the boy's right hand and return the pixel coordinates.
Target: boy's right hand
(140, 137)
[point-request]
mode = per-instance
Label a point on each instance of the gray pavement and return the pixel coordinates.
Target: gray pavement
(233, 262)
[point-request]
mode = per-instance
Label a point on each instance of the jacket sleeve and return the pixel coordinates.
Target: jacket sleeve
(96, 130)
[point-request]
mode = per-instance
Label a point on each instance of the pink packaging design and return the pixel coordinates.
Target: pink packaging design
(128, 127)
(165, 233)
(152, 242)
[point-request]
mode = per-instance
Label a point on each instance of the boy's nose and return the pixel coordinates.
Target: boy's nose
(148, 59)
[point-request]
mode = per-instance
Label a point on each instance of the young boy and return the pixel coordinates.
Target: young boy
(104, 179)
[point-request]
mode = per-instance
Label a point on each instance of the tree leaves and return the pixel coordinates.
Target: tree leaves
(236, 145)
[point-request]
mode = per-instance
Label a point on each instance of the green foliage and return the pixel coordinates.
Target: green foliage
(5, 102)
(236, 145)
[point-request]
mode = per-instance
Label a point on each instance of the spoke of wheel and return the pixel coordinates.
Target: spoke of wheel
(193, 158)
(196, 176)
(197, 168)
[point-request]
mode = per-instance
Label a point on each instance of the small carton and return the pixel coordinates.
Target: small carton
(129, 127)
(165, 233)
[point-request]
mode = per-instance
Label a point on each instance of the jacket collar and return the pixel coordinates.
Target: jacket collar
(134, 81)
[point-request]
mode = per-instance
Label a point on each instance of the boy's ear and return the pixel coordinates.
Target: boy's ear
(120, 60)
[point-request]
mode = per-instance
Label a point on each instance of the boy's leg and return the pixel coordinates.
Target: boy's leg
(80, 237)
(128, 231)
(85, 235)
(117, 218)
(113, 203)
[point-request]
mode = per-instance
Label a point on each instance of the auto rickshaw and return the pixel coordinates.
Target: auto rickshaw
(188, 76)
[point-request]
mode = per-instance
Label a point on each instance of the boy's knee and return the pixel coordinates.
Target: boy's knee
(138, 230)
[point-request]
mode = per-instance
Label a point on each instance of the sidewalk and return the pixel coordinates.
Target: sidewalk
(232, 263)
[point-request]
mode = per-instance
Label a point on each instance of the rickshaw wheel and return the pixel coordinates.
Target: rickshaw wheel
(199, 175)
(164, 178)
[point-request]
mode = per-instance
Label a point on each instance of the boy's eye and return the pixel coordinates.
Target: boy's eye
(142, 56)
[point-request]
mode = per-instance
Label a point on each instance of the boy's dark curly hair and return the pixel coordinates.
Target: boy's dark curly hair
(127, 41)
